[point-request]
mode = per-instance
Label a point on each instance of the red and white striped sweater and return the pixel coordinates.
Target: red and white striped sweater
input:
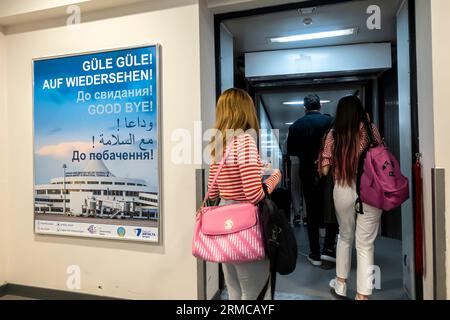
(241, 176)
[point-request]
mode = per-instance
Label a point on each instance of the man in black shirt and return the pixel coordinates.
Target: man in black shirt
(305, 141)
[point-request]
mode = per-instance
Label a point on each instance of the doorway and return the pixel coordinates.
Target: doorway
(253, 53)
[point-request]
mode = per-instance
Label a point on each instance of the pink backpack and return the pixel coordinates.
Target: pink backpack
(380, 182)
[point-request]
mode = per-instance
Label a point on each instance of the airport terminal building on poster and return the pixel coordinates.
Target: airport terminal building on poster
(96, 191)
(100, 197)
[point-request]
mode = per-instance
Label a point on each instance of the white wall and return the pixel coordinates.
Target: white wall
(440, 10)
(3, 159)
(117, 269)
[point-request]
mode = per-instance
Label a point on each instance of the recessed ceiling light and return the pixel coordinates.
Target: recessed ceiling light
(307, 21)
(300, 103)
(315, 35)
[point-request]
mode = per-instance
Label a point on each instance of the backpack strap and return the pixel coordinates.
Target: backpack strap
(359, 207)
(369, 130)
(359, 204)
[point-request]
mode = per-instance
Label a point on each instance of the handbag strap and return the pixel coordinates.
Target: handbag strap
(219, 169)
(263, 293)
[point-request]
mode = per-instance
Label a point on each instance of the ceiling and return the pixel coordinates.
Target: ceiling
(225, 6)
(252, 33)
(281, 114)
(19, 12)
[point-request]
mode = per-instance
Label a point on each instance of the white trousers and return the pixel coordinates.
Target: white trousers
(362, 227)
(246, 281)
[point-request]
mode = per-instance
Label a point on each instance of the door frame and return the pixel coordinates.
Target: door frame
(219, 18)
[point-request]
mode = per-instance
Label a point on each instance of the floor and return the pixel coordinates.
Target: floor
(11, 297)
(311, 283)
(308, 282)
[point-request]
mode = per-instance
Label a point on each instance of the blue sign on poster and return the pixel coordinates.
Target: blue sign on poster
(96, 139)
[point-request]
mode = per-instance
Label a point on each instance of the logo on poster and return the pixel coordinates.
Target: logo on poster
(138, 232)
(148, 234)
(121, 232)
(92, 229)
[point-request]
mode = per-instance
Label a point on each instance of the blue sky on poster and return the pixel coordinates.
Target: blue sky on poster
(62, 125)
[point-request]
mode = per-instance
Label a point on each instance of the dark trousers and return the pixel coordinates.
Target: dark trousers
(313, 191)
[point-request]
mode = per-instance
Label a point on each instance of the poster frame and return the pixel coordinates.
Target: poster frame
(158, 49)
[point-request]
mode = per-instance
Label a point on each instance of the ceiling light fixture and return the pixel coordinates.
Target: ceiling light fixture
(315, 35)
(300, 103)
(307, 11)
(307, 21)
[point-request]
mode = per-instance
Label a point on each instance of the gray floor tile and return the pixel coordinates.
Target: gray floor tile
(313, 282)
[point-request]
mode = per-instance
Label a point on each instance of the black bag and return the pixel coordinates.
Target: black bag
(281, 244)
(282, 199)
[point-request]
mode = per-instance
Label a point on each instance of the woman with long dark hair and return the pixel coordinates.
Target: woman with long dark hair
(342, 149)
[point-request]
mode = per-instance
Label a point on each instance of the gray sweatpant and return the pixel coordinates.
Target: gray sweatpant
(246, 281)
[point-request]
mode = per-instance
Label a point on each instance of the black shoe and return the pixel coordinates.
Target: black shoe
(297, 220)
(327, 265)
(328, 255)
(315, 260)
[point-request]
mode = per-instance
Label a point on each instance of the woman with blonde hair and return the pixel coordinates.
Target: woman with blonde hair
(239, 181)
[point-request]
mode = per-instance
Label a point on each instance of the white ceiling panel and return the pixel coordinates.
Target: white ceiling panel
(252, 33)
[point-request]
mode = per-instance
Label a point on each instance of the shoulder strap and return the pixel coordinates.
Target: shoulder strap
(264, 290)
(369, 130)
(219, 169)
(359, 204)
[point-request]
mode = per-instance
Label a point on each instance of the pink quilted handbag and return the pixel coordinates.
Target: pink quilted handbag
(230, 233)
